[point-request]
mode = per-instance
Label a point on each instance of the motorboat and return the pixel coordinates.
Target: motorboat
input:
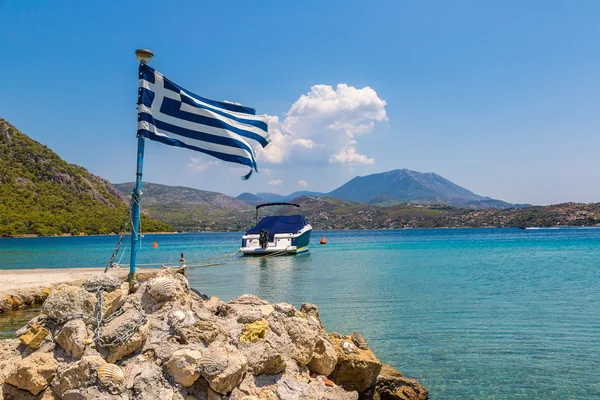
(282, 234)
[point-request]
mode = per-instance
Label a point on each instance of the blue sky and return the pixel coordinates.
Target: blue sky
(501, 97)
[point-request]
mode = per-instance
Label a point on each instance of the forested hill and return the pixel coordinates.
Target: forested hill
(42, 194)
(189, 209)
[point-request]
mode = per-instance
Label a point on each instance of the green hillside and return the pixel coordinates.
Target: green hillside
(41, 194)
(189, 209)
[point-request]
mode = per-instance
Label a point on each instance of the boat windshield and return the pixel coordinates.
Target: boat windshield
(279, 224)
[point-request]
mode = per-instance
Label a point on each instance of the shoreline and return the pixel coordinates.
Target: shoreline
(23, 288)
(33, 236)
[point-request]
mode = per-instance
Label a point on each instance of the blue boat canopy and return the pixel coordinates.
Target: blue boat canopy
(279, 224)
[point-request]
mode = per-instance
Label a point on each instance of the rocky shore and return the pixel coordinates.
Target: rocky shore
(166, 341)
(23, 288)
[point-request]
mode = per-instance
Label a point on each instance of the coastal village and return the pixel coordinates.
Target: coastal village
(327, 213)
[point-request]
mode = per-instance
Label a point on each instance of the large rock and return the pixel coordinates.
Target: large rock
(148, 381)
(312, 313)
(102, 281)
(9, 353)
(304, 338)
(201, 331)
(262, 358)
(248, 299)
(73, 337)
(247, 309)
(66, 301)
(223, 367)
(356, 369)
(112, 301)
(33, 373)
(291, 388)
(132, 320)
(183, 366)
(77, 375)
(391, 385)
(324, 356)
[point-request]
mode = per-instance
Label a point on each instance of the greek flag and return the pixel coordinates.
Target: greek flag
(172, 115)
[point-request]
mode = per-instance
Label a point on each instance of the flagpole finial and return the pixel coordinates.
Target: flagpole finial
(144, 55)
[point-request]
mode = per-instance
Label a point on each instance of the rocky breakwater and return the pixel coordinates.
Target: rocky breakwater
(24, 288)
(165, 341)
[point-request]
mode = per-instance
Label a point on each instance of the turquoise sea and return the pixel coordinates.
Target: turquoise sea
(471, 313)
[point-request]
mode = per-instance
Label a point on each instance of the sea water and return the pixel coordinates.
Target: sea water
(470, 313)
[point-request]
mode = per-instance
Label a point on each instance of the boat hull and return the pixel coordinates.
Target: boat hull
(282, 244)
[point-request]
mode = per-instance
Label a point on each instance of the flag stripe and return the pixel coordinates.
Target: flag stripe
(175, 116)
(212, 135)
(257, 121)
(177, 143)
(186, 131)
(170, 85)
(182, 141)
(174, 108)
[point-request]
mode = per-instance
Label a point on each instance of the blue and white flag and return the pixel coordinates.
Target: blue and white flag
(175, 116)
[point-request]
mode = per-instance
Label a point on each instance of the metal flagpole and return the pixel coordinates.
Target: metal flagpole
(143, 56)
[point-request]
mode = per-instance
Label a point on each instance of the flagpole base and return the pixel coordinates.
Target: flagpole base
(133, 282)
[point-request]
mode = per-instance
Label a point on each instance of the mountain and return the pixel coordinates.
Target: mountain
(274, 197)
(397, 187)
(189, 209)
(250, 198)
(41, 194)
(405, 186)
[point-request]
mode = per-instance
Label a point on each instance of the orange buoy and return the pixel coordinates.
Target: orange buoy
(154, 245)
(323, 240)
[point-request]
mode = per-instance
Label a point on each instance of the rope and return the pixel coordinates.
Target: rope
(187, 261)
(122, 254)
(111, 260)
(241, 260)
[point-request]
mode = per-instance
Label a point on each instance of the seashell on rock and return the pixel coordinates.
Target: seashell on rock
(349, 348)
(163, 288)
(213, 363)
(177, 316)
(111, 374)
(181, 318)
(132, 371)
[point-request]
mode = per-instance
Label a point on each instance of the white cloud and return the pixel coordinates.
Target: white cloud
(306, 143)
(275, 182)
(327, 121)
(302, 183)
(273, 153)
(348, 155)
(196, 165)
(266, 171)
